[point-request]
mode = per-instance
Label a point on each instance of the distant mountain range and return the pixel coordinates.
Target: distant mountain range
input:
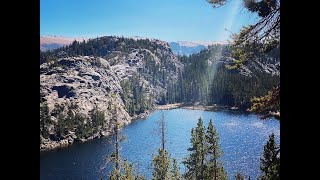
(179, 48)
(54, 42)
(191, 47)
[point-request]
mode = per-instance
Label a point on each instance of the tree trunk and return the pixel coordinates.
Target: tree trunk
(162, 130)
(117, 150)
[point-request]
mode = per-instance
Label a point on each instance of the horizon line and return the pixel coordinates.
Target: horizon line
(94, 36)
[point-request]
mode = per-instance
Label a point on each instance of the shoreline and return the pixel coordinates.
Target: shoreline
(195, 106)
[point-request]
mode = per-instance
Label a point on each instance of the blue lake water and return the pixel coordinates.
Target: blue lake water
(242, 137)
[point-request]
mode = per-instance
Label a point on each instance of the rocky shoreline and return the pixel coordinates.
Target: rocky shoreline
(69, 140)
(51, 145)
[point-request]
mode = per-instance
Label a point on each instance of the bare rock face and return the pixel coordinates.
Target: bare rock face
(85, 81)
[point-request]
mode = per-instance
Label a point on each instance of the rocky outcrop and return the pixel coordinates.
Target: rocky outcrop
(76, 80)
(81, 83)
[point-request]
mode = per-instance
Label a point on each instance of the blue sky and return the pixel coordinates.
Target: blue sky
(169, 20)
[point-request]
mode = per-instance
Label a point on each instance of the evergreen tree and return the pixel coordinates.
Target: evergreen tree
(261, 37)
(161, 165)
(44, 120)
(214, 168)
(97, 119)
(128, 171)
(268, 103)
(175, 172)
(270, 162)
(195, 163)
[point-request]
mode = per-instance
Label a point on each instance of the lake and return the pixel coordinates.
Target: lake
(242, 137)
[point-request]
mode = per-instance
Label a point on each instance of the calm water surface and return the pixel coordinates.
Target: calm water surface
(242, 137)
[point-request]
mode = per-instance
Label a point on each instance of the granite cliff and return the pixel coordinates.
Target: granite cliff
(84, 86)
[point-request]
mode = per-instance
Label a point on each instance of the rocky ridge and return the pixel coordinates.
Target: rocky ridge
(95, 82)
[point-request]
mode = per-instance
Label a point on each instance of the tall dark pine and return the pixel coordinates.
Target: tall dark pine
(214, 168)
(195, 163)
(270, 162)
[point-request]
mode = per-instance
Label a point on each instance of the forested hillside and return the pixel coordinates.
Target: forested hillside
(207, 79)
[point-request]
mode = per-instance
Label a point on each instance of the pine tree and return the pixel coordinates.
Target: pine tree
(195, 163)
(214, 168)
(268, 103)
(44, 120)
(161, 162)
(270, 162)
(161, 165)
(175, 172)
(222, 173)
(128, 171)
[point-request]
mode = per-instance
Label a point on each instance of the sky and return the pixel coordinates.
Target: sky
(169, 20)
